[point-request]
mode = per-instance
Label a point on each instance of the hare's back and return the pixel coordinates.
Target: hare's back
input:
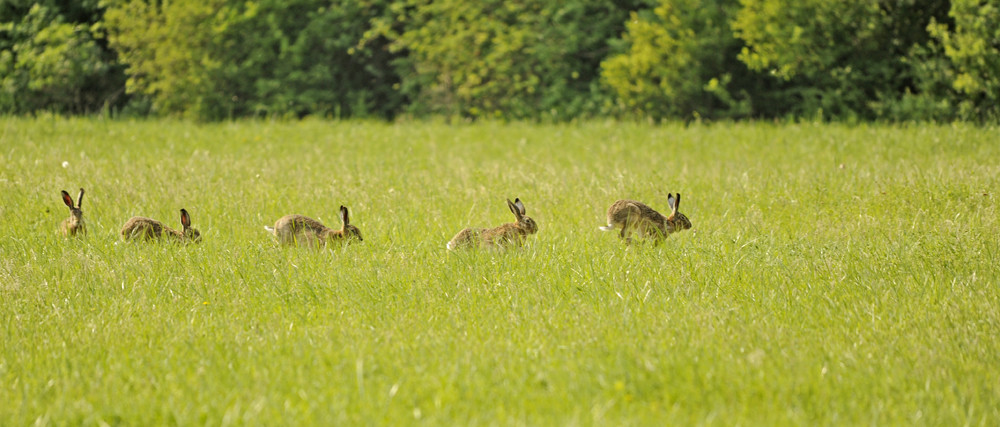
(297, 224)
(622, 209)
(139, 221)
(138, 226)
(506, 233)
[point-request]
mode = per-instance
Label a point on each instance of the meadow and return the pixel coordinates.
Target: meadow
(835, 275)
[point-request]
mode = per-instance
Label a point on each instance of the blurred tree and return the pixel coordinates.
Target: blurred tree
(840, 58)
(971, 43)
(168, 48)
(214, 59)
(306, 59)
(504, 59)
(514, 59)
(681, 62)
(54, 57)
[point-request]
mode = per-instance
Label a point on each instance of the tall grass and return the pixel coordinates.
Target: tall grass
(834, 275)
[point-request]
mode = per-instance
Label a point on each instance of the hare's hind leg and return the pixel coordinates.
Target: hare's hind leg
(631, 224)
(625, 233)
(463, 238)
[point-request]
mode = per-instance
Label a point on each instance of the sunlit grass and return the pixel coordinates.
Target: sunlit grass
(834, 275)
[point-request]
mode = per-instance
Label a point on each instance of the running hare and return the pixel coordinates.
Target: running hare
(635, 217)
(513, 233)
(304, 231)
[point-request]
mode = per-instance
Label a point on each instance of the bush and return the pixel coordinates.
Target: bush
(168, 50)
(53, 58)
(225, 58)
(681, 62)
(972, 46)
(843, 58)
(503, 59)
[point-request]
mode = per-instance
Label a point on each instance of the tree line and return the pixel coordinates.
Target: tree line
(504, 59)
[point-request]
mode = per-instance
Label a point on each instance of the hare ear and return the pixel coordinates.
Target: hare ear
(672, 201)
(185, 218)
(520, 206)
(344, 215)
(67, 199)
(513, 208)
(79, 200)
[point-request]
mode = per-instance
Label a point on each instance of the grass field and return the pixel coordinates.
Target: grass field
(835, 274)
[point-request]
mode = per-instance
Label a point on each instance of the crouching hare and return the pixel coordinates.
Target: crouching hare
(150, 229)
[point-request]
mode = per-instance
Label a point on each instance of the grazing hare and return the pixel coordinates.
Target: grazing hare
(304, 231)
(635, 217)
(513, 234)
(150, 229)
(74, 224)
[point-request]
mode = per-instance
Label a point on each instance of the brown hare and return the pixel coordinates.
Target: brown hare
(304, 231)
(150, 229)
(635, 217)
(74, 224)
(513, 234)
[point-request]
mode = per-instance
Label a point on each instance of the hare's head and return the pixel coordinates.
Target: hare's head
(677, 219)
(75, 211)
(190, 234)
(348, 232)
(523, 222)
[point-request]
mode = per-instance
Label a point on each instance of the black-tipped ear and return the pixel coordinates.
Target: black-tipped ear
(677, 204)
(79, 200)
(514, 209)
(344, 215)
(67, 199)
(520, 206)
(672, 202)
(185, 218)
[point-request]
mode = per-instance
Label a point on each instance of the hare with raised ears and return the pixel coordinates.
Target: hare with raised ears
(635, 217)
(74, 224)
(304, 231)
(513, 234)
(150, 229)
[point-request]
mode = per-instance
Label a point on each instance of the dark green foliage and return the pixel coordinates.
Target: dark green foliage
(54, 57)
(502, 59)
(303, 58)
(218, 59)
(971, 45)
(681, 62)
(505, 59)
(844, 58)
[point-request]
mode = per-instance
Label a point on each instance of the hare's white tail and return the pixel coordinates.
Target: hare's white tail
(608, 227)
(269, 229)
(450, 246)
